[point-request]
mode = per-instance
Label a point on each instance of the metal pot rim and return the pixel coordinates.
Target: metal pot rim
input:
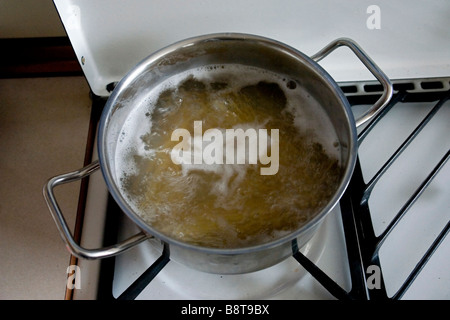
(138, 69)
(98, 253)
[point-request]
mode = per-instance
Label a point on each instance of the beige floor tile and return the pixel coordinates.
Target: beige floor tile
(43, 130)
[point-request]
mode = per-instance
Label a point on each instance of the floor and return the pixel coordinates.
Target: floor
(43, 131)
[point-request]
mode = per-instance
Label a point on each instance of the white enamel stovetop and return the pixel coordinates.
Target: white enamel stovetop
(407, 39)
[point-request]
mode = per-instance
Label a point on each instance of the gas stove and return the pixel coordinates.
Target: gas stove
(387, 238)
(363, 249)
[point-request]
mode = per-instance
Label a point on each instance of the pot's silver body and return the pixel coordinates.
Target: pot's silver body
(220, 49)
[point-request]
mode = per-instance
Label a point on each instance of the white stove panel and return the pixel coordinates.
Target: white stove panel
(406, 38)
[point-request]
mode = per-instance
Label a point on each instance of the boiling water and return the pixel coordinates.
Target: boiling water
(228, 205)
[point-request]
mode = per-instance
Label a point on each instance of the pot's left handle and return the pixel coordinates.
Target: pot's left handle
(64, 230)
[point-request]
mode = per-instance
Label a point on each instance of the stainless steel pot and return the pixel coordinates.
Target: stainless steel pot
(220, 49)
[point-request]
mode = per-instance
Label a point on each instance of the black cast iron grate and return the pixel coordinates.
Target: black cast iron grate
(362, 244)
(355, 204)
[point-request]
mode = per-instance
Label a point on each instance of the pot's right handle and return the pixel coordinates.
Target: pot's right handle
(373, 68)
(63, 229)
